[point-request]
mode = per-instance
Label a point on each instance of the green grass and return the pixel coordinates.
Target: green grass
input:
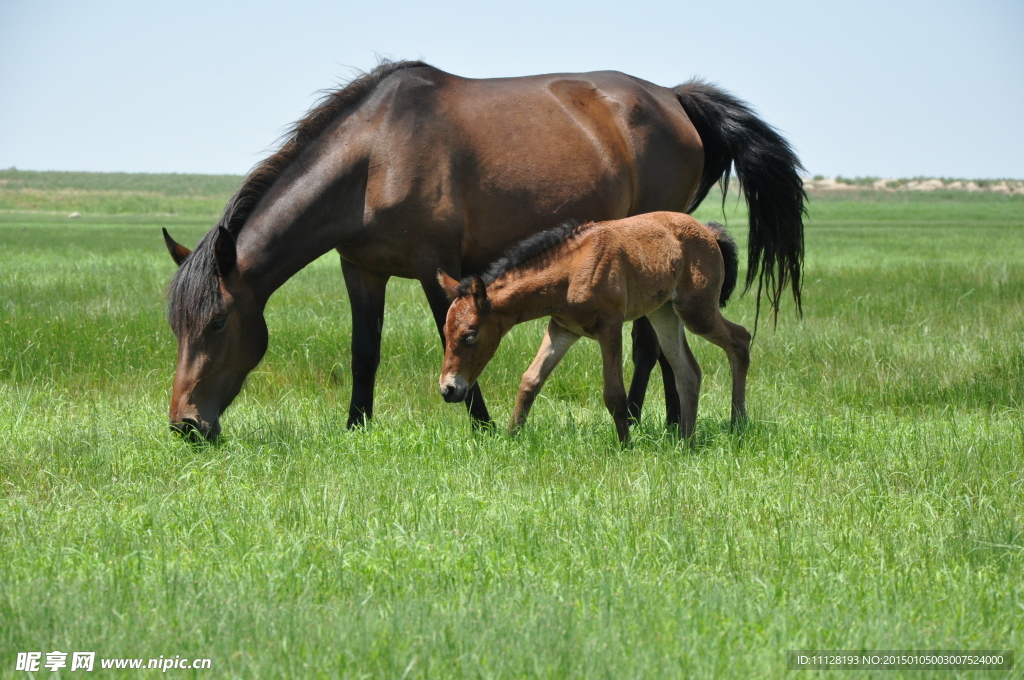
(875, 501)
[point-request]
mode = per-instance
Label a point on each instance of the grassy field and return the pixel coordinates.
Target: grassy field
(874, 502)
(115, 193)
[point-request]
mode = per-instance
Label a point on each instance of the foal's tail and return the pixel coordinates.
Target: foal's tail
(730, 253)
(768, 171)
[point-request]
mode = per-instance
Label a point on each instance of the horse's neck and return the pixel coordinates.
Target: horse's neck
(525, 295)
(304, 215)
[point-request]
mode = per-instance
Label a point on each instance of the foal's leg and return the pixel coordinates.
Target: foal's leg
(439, 303)
(610, 338)
(687, 372)
(735, 340)
(557, 341)
(366, 295)
(645, 350)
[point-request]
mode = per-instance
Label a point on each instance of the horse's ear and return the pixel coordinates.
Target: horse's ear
(450, 285)
(479, 292)
(178, 252)
(224, 251)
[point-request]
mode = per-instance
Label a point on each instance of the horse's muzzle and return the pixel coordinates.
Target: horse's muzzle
(191, 430)
(455, 389)
(453, 394)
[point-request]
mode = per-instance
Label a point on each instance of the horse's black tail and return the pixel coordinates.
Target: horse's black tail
(768, 171)
(731, 255)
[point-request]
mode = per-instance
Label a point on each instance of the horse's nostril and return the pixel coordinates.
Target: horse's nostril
(184, 426)
(451, 394)
(189, 428)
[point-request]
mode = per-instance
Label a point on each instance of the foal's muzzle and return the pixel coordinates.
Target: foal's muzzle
(454, 389)
(453, 394)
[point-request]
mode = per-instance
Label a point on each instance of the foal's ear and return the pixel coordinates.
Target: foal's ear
(224, 251)
(450, 285)
(479, 292)
(178, 252)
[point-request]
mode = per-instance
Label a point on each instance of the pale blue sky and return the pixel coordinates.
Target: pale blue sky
(882, 88)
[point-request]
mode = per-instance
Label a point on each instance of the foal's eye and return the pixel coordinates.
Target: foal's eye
(469, 338)
(217, 324)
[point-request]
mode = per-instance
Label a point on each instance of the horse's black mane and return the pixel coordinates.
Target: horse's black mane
(527, 250)
(194, 292)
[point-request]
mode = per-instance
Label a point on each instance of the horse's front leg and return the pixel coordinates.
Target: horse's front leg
(366, 295)
(614, 385)
(439, 304)
(557, 341)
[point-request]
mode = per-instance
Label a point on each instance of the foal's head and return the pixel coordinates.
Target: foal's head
(472, 333)
(221, 332)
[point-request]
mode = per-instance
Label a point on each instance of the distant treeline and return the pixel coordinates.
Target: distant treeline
(116, 192)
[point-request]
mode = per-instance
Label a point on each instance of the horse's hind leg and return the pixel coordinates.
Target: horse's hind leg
(557, 341)
(646, 351)
(672, 337)
(673, 412)
(366, 295)
(735, 340)
(645, 354)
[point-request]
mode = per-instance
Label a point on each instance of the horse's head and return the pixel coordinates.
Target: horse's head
(221, 332)
(472, 333)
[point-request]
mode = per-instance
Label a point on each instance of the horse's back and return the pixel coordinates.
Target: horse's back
(496, 160)
(629, 265)
(623, 145)
(645, 261)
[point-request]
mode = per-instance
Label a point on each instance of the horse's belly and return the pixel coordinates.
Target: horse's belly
(643, 300)
(573, 326)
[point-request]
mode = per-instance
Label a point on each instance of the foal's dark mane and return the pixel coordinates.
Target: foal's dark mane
(526, 251)
(194, 292)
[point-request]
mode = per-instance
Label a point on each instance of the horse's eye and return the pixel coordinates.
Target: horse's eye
(469, 338)
(217, 324)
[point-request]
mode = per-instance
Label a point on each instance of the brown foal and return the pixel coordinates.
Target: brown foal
(591, 279)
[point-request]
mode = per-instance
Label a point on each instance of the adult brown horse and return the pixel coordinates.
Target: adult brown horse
(408, 169)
